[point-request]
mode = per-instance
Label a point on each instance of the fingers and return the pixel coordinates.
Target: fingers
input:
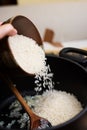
(7, 30)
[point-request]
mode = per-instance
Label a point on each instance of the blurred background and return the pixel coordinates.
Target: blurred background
(67, 19)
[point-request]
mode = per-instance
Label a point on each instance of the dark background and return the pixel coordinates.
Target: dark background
(8, 2)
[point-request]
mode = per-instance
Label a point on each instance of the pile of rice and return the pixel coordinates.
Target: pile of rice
(57, 106)
(27, 53)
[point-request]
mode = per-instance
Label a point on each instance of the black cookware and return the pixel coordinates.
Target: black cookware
(70, 75)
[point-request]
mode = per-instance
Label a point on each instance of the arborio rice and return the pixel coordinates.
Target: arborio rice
(57, 106)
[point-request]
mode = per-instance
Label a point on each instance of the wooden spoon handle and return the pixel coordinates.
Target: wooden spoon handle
(20, 99)
(17, 94)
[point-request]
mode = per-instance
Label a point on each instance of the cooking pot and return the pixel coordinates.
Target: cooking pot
(70, 75)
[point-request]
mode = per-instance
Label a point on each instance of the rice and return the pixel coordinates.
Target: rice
(27, 53)
(31, 58)
(44, 80)
(57, 106)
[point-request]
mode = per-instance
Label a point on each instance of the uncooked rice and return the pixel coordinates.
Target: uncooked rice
(31, 58)
(44, 80)
(27, 53)
(57, 106)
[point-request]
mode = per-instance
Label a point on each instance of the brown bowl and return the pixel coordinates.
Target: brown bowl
(25, 27)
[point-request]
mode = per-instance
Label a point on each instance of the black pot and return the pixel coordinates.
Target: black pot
(71, 76)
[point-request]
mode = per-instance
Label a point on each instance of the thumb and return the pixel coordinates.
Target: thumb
(7, 30)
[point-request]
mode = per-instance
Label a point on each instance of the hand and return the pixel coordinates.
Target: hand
(7, 30)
